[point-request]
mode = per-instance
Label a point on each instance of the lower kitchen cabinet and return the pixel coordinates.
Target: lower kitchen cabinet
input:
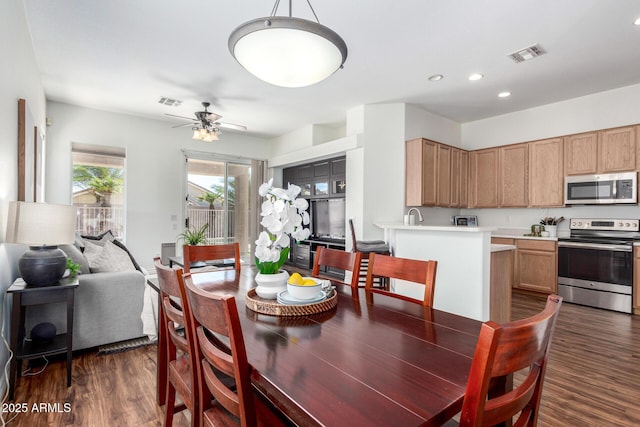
(537, 265)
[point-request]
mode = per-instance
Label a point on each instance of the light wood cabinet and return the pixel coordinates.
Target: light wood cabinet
(581, 154)
(500, 286)
(617, 149)
(513, 180)
(420, 172)
(483, 178)
(605, 151)
(537, 265)
(443, 186)
(464, 178)
(546, 173)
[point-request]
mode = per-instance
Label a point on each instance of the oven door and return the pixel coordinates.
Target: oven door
(597, 275)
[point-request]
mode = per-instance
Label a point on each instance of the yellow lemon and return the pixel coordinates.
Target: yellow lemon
(309, 282)
(295, 279)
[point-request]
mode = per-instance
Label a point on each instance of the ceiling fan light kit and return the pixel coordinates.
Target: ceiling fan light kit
(287, 51)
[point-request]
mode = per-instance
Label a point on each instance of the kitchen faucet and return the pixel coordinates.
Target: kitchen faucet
(419, 214)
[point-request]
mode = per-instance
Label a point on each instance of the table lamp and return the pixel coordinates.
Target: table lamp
(42, 226)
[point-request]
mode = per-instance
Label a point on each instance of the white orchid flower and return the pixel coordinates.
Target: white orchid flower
(301, 204)
(273, 224)
(263, 239)
(280, 194)
(267, 208)
(283, 241)
(279, 206)
(263, 253)
(293, 191)
(263, 190)
(305, 218)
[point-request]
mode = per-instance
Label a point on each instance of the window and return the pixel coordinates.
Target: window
(98, 189)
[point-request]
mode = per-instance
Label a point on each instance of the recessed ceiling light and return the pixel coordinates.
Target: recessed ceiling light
(436, 77)
(476, 76)
(636, 22)
(504, 94)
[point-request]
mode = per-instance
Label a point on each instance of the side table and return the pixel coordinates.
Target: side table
(26, 295)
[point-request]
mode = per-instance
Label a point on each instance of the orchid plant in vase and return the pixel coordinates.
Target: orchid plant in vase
(283, 216)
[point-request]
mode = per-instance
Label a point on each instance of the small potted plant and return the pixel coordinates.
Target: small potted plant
(194, 236)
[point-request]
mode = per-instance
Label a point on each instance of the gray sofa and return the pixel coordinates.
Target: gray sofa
(107, 307)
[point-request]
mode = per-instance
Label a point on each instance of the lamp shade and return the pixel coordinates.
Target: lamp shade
(41, 224)
(287, 51)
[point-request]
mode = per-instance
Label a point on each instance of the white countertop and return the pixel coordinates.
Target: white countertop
(499, 247)
(419, 227)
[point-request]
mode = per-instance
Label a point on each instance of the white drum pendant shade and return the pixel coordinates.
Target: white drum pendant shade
(288, 52)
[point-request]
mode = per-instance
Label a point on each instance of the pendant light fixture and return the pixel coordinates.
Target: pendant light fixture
(287, 51)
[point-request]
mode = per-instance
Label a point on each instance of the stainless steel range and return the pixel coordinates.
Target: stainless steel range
(595, 264)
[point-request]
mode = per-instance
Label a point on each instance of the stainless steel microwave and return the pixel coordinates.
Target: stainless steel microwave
(605, 189)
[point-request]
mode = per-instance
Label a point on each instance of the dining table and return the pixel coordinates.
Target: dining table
(370, 360)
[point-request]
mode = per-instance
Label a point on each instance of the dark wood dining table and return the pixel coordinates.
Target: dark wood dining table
(371, 360)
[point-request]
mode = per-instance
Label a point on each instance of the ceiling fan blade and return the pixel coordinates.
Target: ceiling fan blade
(180, 117)
(230, 126)
(213, 116)
(186, 124)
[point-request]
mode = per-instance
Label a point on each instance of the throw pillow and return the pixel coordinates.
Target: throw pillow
(100, 239)
(76, 256)
(109, 258)
(121, 245)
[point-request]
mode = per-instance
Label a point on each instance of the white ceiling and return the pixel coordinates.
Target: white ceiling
(123, 55)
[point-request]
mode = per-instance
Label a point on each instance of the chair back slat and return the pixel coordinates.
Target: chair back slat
(194, 253)
(503, 350)
(411, 270)
(176, 324)
(215, 320)
(346, 261)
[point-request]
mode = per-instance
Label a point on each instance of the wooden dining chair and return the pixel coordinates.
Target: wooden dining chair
(221, 350)
(411, 270)
(504, 349)
(194, 253)
(341, 260)
(181, 372)
(366, 248)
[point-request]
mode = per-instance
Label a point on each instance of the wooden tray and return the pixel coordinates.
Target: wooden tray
(274, 308)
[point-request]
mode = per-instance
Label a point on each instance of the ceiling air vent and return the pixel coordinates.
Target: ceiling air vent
(527, 53)
(169, 102)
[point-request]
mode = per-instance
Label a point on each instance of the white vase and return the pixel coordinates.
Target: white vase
(269, 285)
(552, 229)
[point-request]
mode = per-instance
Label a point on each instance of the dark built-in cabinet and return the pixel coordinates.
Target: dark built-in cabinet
(323, 184)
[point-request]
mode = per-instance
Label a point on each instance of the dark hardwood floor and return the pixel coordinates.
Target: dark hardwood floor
(593, 378)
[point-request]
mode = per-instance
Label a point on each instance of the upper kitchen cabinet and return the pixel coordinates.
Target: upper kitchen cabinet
(605, 151)
(459, 178)
(514, 176)
(483, 178)
(581, 154)
(421, 157)
(546, 173)
(443, 187)
(617, 150)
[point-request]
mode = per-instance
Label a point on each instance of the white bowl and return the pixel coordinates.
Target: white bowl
(303, 292)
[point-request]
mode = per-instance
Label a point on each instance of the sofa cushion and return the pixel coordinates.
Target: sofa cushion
(121, 245)
(107, 258)
(100, 239)
(76, 256)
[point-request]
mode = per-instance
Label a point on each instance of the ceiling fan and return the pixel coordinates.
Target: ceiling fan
(206, 122)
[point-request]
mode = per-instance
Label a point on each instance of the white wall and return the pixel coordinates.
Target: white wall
(155, 168)
(19, 78)
(602, 110)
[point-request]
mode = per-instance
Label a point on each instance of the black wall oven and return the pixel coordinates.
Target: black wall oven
(595, 264)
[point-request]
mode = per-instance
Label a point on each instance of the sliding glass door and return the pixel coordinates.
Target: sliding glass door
(219, 195)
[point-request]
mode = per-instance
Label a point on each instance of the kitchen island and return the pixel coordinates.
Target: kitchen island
(464, 276)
